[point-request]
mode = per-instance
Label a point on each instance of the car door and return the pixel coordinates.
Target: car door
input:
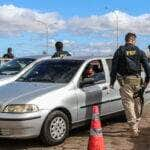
(114, 95)
(88, 95)
(111, 101)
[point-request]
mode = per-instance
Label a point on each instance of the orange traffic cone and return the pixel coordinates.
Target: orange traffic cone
(96, 141)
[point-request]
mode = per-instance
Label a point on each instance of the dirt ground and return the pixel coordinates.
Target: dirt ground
(115, 131)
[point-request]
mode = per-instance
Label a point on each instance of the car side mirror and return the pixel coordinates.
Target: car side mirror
(87, 81)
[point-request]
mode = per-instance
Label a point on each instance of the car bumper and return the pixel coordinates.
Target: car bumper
(21, 126)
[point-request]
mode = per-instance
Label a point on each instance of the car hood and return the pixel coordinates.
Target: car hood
(5, 76)
(23, 92)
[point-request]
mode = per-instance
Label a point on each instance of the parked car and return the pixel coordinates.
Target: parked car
(54, 96)
(4, 60)
(13, 67)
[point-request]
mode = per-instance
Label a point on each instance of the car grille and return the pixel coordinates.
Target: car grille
(5, 132)
(1, 108)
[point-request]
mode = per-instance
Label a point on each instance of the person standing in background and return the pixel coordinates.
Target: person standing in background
(9, 54)
(59, 50)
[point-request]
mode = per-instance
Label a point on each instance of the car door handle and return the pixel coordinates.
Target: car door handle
(107, 89)
(104, 88)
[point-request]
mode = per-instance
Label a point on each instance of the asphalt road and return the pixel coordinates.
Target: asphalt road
(115, 131)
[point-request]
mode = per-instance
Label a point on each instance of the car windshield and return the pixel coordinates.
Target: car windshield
(55, 71)
(15, 66)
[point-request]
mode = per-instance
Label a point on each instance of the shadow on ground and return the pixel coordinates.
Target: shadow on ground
(7, 144)
(84, 131)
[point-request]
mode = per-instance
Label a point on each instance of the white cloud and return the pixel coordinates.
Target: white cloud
(108, 23)
(98, 48)
(15, 20)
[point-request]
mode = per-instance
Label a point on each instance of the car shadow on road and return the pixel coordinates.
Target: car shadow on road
(9, 144)
(142, 142)
(84, 131)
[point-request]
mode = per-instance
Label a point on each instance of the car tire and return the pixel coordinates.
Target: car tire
(55, 128)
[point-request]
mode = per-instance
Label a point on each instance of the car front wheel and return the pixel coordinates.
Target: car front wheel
(55, 128)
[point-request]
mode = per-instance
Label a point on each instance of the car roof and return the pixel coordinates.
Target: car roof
(83, 57)
(65, 57)
(33, 57)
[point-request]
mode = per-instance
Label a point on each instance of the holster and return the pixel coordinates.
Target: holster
(121, 80)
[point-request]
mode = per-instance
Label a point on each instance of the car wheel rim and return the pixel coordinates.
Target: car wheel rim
(57, 128)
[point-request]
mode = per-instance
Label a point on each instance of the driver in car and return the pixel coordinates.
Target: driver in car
(94, 71)
(90, 73)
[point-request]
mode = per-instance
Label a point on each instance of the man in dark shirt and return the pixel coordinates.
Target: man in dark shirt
(9, 54)
(126, 67)
(59, 50)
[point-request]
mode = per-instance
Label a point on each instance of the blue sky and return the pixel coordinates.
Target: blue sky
(81, 33)
(68, 8)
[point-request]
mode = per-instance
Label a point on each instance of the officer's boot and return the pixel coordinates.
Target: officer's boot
(135, 130)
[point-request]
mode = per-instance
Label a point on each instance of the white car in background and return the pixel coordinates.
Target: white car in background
(12, 69)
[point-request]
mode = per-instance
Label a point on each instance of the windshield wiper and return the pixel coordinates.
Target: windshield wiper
(24, 79)
(45, 80)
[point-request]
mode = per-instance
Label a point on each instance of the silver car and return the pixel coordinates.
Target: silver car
(55, 96)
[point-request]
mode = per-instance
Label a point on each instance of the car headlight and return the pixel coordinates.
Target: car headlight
(21, 108)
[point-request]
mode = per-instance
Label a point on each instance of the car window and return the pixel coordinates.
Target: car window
(15, 66)
(55, 71)
(94, 70)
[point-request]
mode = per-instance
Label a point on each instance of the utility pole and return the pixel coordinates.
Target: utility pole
(117, 29)
(46, 33)
(117, 26)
